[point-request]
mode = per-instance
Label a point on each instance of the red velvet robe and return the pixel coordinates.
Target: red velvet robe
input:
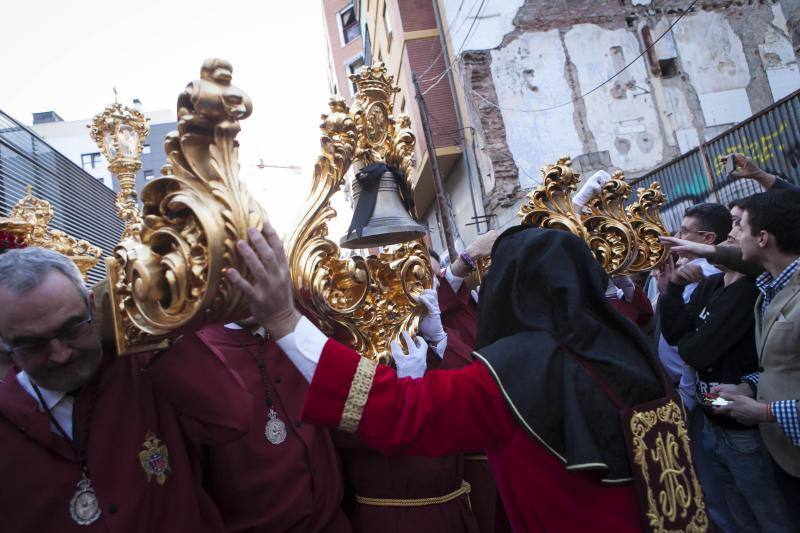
(376, 475)
(295, 486)
(458, 410)
(638, 310)
(460, 319)
(186, 394)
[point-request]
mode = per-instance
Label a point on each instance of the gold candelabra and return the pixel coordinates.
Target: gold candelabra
(119, 132)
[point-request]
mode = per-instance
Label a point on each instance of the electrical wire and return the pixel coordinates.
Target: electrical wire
(668, 30)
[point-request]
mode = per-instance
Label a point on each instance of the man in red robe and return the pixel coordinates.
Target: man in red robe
(458, 308)
(283, 475)
(553, 438)
(399, 494)
(96, 442)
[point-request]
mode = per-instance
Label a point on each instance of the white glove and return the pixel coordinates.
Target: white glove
(626, 285)
(590, 189)
(614, 292)
(431, 324)
(413, 364)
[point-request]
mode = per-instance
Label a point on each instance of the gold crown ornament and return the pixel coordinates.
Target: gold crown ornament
(29, 222)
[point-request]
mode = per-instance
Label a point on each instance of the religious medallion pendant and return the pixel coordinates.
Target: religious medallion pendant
(276, 429)
(84, 507)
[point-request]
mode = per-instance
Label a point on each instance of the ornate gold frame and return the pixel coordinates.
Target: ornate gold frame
(623, 239)
(366, 302)
(170, 276)
(30, 218)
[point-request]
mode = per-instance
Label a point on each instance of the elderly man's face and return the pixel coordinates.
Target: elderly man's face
(48, 332)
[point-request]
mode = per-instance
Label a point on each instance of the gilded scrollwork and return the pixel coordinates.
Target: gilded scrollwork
(550, 204)
(30, 219)
(366, 301)
(646, 222)
(624, 240)
(611, 236)
(171, 277)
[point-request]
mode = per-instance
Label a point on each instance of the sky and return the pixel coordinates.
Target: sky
(67, 55)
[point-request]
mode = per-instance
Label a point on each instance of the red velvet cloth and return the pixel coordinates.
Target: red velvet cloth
(295, 486)
(459, 410)
(376, 475)
(186, 394)
(638, 310)
(458, 312)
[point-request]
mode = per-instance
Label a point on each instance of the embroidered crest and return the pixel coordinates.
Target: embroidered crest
(154, 458)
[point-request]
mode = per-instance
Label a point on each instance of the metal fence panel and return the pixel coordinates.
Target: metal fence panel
(83, 206)
(771, 138)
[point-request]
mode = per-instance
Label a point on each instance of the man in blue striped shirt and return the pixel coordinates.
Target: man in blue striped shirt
(770, 236)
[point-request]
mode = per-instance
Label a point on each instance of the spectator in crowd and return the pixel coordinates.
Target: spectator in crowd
(770, 236)
(705, 223)
(746, 169)
(715, 334)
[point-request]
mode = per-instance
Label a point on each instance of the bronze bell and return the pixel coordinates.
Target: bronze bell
(381, 216)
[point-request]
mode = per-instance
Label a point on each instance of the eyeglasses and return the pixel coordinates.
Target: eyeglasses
(66, 335)
(685, 231)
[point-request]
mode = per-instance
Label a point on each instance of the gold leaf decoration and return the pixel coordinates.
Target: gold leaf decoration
(365, 301)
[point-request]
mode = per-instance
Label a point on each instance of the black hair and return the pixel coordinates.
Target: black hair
(712, 218)
(777, 213)
(736, 203)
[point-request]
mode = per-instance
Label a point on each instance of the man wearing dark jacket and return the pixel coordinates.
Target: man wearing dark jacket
(715, 334)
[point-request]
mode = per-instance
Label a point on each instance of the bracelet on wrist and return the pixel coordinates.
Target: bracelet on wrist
(468, 260)
(770, 415)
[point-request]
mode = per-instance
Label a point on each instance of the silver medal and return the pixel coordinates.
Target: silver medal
(84, 507)
(276, 429)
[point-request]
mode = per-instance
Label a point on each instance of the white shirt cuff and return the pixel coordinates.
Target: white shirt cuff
(304, 347)
(454, 281)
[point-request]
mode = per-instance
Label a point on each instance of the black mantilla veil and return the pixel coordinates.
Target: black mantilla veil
(543, 291)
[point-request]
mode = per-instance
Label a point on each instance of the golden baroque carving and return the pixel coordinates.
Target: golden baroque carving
(30, 218)
(646, 222)
(624, 240)
(369, 301)
(172, 276)
(611, 236)
(550, 204)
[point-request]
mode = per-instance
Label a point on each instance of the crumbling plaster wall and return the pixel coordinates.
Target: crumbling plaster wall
(523, 76)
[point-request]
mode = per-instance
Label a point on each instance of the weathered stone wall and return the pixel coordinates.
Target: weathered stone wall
(526, 63)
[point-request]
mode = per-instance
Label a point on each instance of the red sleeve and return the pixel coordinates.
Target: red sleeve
(212, 402)
(443, 413)
(642, 304)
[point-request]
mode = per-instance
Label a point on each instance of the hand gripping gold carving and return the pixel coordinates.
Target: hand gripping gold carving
(171, 277)
(624, 240)
(30, 219)
(369, 300)
(611, 236)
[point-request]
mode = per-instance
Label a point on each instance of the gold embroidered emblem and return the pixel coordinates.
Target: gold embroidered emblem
(154, 458)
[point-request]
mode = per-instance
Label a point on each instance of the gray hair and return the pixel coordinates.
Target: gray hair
(24, 269)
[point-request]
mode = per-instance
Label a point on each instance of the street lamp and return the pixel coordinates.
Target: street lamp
(119, 132)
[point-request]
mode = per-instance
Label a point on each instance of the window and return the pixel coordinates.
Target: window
(91, 160)
(352, 68)
(403, 105)
(349, 23)
(388, 27)
(146, 149)
(148, 175)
